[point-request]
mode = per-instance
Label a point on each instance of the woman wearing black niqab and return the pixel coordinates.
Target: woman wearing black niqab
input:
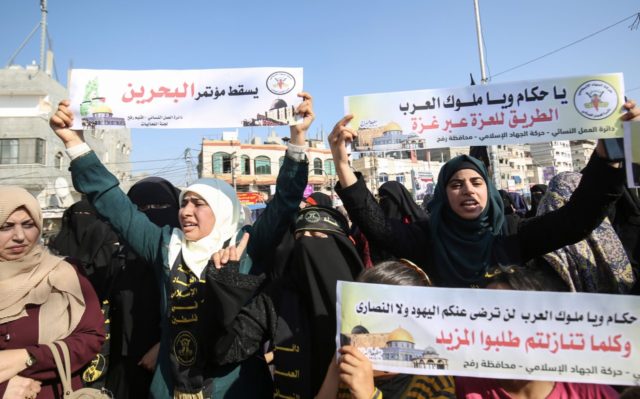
(297, 311)
(135, 298)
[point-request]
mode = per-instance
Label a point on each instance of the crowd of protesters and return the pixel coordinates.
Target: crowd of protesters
(169, 293)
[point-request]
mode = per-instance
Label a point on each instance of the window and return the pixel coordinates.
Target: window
(317, 166)
(58, 161)
(8, 151)
(329, 167)
(245, 165)
(22, 151)
(262, 165)
(221, 163)
(383, 177)
(400, 179)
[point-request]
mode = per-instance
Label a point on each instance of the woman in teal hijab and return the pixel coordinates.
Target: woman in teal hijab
(463, 237)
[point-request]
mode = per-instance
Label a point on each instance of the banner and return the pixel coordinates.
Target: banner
(632, 153)
(575, 108)
(528, 335)
(177, 99)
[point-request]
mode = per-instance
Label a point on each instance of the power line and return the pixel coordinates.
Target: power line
(633, 26)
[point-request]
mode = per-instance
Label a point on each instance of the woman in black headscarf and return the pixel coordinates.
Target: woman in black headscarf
(296, 312)
(511, 218)
(463, 236)
(135, 298)
(397, 203)
(537, 192)
(90, 243)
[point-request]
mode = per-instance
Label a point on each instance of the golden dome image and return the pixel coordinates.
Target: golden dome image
(400, 334)
(391, 127)
(101, 109)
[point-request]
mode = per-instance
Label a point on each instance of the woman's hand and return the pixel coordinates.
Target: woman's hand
(341, 136)
(148, 361)
(21, 388)
(12, 361)
(356, 372)
(305, 109)
(61, 123)
(231, 253)
(632, 114)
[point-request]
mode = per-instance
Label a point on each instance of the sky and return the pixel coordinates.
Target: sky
(345, 47)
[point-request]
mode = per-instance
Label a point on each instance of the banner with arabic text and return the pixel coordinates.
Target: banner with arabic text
(632, 152)
(175, 99)
(576, 108)
(528, 335)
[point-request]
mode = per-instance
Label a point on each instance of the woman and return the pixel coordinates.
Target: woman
(296, 312)
(463, 236)
(596, 264)
(135, 298)
(211, 218)
(42, 299)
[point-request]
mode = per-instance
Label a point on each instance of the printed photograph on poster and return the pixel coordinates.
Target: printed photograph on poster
(632, 153)
(528, 335)
(214, 98)
(574, 108)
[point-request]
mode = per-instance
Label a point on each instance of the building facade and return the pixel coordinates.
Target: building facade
(32, 156)
(254, 166)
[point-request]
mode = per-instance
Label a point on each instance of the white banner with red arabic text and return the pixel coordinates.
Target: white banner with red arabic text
(529, 335)
(176, 99)
(575, 108)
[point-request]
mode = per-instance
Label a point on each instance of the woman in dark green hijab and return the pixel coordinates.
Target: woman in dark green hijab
(466, 216)
(463, 237)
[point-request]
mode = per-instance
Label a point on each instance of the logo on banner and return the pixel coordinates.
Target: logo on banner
(596, 99)
(280, 83)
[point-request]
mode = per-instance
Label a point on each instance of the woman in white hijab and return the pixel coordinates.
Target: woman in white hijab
(211, 218)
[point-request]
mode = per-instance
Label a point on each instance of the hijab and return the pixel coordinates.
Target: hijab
(315, 266)
(90, 240)
(462, 248)
(38, 278)
(397, 203)
(158, 199)
(227, 209)
(596, 264)
(537, 192)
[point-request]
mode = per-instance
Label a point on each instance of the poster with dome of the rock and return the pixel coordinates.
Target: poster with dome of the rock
(178, 99)
(532, 111)
(493, 333)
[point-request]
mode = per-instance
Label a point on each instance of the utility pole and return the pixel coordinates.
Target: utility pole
(493, 150)
(43, 33)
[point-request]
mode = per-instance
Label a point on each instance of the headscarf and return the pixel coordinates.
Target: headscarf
(397, 203)
(537, 192)
(596, 264)
(91, 241)
(318, 199)
(315, 266)
(38, 278)
(227, 209)
(518, 203)
(509, 207)
(462, 248)
(158, 199)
